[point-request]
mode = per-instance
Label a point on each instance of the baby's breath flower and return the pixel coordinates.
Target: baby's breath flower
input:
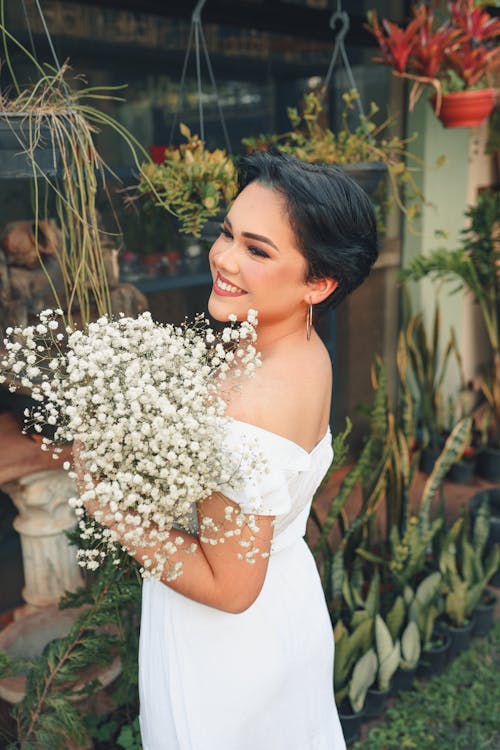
(141, 399)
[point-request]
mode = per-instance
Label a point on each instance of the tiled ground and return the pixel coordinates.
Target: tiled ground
(456, 496)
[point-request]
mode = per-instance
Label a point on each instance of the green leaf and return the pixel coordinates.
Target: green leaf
(395, 617)
(363, 677)
(481, 528)
(372, 603)
(388, 653)
(455, 445)
(185, 131)
(410, 646)
(337, 575)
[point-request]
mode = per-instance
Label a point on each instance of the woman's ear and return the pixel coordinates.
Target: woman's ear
(320, 289)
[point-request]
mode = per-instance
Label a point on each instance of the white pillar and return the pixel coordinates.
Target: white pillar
(50, 564)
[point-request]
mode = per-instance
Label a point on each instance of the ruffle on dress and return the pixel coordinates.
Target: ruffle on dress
(262, 464)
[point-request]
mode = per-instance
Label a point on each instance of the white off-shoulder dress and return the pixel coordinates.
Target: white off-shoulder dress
(262, 679)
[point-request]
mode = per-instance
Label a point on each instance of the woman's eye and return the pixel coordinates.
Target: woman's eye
(258, 252)
(225, 232)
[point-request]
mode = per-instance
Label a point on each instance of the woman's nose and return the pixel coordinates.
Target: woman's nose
(225, 256)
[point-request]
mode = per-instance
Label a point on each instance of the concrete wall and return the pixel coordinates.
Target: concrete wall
(449, 190)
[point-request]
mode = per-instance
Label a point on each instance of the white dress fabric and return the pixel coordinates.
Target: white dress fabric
(262, 679)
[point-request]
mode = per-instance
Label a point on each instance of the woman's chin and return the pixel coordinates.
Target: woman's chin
(214, 308)
(220, 308)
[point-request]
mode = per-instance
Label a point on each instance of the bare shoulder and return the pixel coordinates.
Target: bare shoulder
(289, 395)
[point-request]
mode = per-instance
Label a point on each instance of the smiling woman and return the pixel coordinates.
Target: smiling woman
(256, 263)
(237, 652)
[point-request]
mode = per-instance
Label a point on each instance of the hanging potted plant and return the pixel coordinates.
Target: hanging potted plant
(53, 121)
(192, 182)
(367, 151)
(453, 51)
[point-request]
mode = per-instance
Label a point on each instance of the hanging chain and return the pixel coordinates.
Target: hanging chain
(28, 26)
(197, 25)
(65, 87)
(196, 31)
(49, 39)
(214, 86)
(339, 23)
(181, 85)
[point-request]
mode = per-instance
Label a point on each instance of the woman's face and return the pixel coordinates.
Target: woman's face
(255, 262)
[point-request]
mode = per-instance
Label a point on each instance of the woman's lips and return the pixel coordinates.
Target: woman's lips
(224, 288)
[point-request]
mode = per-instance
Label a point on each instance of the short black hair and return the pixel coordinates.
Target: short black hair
(331, 216)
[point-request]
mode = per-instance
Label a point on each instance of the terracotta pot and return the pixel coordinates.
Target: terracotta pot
(465, 109)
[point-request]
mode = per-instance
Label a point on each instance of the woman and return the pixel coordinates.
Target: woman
(238, 655)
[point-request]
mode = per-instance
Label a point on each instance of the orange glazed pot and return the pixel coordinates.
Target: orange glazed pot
(465, 109)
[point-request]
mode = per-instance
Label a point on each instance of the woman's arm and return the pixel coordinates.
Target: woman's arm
(213, 573)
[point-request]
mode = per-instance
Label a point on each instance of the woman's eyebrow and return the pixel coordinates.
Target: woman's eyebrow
(252, 236)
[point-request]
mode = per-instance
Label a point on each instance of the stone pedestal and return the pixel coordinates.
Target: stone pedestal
(50, 569)
(50, 564)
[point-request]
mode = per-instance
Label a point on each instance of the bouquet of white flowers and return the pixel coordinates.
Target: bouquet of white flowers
(144, 402)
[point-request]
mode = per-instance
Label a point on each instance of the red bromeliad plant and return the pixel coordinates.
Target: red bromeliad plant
(457, 52)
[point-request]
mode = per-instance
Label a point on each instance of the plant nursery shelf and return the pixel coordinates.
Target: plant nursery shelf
(166, 283)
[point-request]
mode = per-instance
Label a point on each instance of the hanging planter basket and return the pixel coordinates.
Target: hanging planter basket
(367, 174)
(17, 160)
(465, 109)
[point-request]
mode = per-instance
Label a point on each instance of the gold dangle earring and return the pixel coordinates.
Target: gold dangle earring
(309, 321)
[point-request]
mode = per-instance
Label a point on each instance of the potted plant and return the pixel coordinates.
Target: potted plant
(53, 122)
(388, 658)
(465, 578)
(409, 550)
(452, 49)
(150, 237)
(425, 372)
(385, 445)
(424, 607)
(367, 151)
(355, 668)
(475, 267)
(490, 498)
(485, 561)
(484, 612)
(192, 182)
(410, 655)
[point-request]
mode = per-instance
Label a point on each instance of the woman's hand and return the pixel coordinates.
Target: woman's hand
(83, 482)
